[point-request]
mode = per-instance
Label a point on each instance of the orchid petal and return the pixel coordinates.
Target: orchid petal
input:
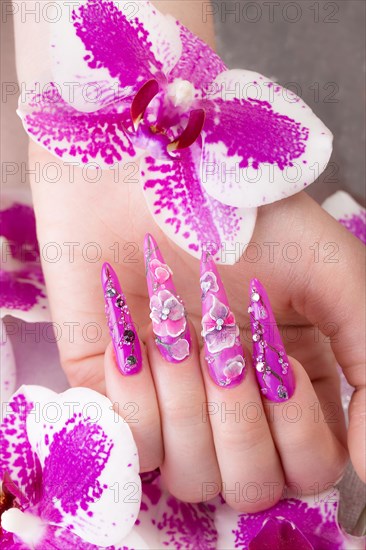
(86, 86)
(262, 143)
(98, 138)
(22, 284)
(90, 466)
(187, 214)
(7, 365)
(315, 521)
(121, 38)
(348, 212)
(199, 64)
(165, 522)
(17, 456)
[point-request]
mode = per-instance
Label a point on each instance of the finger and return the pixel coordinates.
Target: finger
(311, 454)
(251, 472)
(312, 457)
(189, 460)
(190, 463)
(134, 399)
(335, 301)
(128, 378)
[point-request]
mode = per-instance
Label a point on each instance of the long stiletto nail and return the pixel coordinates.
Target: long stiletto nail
(272, 366)
(124, 336)
(223, 350)
(168, 315)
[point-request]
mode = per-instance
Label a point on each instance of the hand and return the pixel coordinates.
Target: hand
(308, 296)
(309, 293)
(207, 439)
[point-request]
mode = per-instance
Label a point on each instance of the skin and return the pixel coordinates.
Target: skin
(201, 454)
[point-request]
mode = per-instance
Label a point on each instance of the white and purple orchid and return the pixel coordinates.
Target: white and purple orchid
(348, 212)
(213, 143)
(23, 292)
(69, 472)
(297, 523)
(7, 365)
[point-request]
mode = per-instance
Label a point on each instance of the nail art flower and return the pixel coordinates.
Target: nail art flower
(63, 459)
(167, 314)
(219, 327)
(208, 283)
(161, 272)
(179, 350)
(234, 367)
(213, 144)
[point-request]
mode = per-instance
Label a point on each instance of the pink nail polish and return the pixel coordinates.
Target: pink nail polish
(273, 370)
(223, 350)
(124, 336)
(168, 314)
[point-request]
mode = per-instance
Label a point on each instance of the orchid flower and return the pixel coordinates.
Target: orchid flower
(23, 293)
(305, 523)
(301, 523)
(213, 143)
(69, 472)
(348, 212)
(7, 365)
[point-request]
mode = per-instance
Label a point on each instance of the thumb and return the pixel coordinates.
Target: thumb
(333, 298)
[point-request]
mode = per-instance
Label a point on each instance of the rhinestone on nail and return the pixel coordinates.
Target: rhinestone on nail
(256, 337)
(282, 392)
(111, 292)
(255, 297)
(120, 302)
(131, 360)
(260, 366)
(128, 336)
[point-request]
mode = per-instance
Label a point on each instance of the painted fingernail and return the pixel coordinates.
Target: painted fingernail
(124, 336)
(273, 370)
(168, 314)
(223, 350)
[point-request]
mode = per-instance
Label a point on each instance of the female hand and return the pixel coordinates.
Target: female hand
(309, 293)
(199, 416)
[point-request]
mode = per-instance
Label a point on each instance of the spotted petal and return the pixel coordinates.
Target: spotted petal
(348, 212)
(17, 456)
(187, 214)
(7, 365)
(23, 292)
(199, 64)
(90, 466)
(109, 48)
(99, 138)
(165, 522)
(305, 523)
(262, 142)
